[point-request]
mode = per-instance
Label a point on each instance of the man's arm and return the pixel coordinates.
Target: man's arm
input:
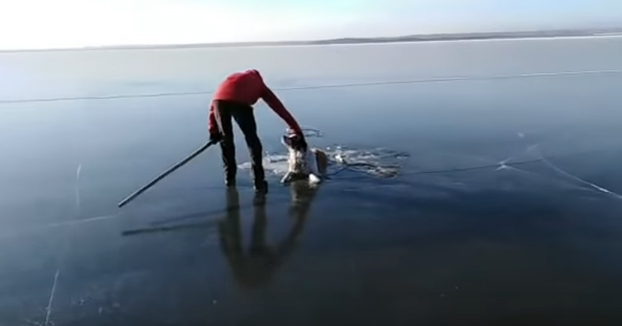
(212, 125)
(277, 106)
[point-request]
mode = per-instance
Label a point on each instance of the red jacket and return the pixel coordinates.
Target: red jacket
(247, 87)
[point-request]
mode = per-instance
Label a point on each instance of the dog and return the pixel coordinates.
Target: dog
(304, 163)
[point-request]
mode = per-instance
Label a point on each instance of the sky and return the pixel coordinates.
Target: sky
(41, 24)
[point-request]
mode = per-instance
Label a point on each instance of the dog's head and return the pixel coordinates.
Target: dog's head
(297, 151)
(295, 142)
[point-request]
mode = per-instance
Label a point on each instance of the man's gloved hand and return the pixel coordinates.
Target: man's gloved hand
(215, 137)
(301, 141)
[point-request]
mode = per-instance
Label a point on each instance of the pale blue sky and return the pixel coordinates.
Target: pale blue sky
(76, 23)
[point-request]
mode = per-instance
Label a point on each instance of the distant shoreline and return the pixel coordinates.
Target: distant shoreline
(357, 40)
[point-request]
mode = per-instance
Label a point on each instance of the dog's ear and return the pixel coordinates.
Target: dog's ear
(285, 141)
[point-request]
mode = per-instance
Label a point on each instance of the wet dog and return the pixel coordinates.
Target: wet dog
(304, 163)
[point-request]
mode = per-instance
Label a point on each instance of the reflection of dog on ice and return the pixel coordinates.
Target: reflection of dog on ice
(304, 163)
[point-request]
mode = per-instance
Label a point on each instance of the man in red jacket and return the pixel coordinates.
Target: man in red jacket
(234, 98)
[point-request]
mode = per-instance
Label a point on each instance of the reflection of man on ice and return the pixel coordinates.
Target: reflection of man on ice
(258, 266)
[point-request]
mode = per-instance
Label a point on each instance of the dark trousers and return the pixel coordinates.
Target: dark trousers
(244, 117)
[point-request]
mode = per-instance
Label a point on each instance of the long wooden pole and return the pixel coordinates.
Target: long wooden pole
(165, 173)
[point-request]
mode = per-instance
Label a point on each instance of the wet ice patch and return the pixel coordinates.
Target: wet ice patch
(378, 162)
(272, 163)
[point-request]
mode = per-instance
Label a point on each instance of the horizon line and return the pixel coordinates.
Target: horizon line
(560, 32)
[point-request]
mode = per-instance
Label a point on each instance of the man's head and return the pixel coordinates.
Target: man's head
(254, 72)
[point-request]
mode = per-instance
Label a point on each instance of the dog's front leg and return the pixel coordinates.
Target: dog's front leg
(314, 179)
(287, 178)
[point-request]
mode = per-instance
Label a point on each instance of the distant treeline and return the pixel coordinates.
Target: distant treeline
(354, 40)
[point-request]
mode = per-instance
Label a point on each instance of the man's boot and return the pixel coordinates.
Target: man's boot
(261, 187)
(230, 182)
(259, 176)
(230, 176)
